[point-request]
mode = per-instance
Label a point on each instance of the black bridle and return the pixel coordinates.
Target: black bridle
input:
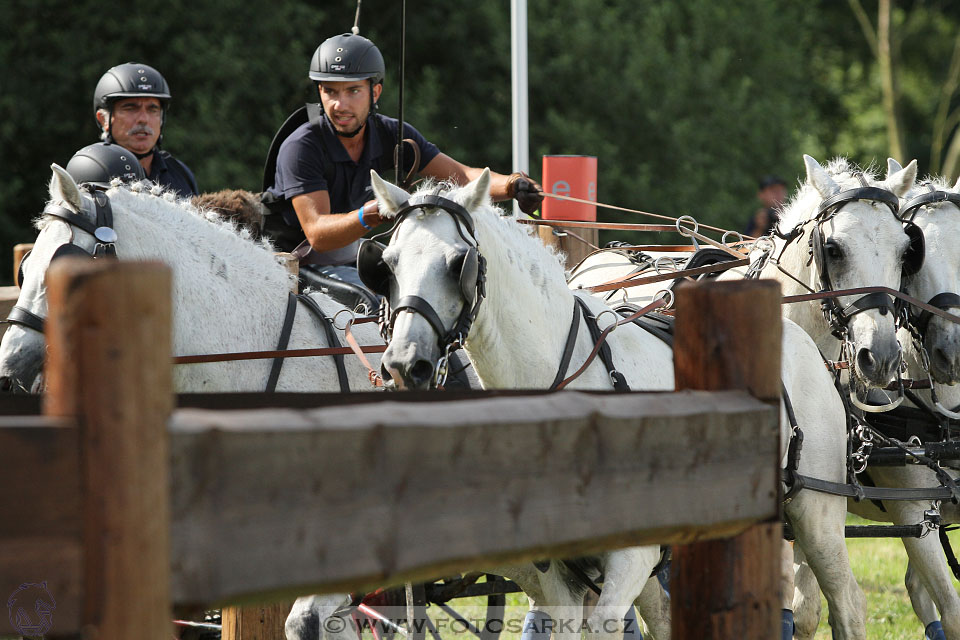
(377, 276)
(101, 228)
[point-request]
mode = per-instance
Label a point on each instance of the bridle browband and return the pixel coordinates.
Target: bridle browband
(102, 231)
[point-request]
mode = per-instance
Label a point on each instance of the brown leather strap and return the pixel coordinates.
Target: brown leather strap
(372, 375)
(620, 226)
(603, 337)
(266, 355)
(635, 281)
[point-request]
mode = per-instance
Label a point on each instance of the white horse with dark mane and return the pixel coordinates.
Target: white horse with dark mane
(517, 338)
(229, 293)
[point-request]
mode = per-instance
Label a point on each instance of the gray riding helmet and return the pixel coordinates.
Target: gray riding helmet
(130, 80)
(97, 164)
(347, 57)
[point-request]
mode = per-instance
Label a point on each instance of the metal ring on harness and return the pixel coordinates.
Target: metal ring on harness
(736, 234)
(684, 231)
(667, 295)
(353, 316)
(662, 261)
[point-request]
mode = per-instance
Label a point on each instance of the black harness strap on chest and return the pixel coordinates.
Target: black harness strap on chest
(606, 356)
(653, 323)
(568, 348)
(332, 339)
(283, 342)
(793, 449)
(948, 552)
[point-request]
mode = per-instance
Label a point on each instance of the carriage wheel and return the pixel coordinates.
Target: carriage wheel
(423, 626)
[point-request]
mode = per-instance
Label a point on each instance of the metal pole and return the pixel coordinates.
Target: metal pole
(403, 51)
(518, 64)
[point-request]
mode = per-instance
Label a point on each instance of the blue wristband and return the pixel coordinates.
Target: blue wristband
(360, 215)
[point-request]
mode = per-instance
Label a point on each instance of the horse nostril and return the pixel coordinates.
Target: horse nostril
(866, 362)
(6, 384)
(421, 372)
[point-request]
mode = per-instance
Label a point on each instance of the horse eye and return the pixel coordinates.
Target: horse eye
(833, 251)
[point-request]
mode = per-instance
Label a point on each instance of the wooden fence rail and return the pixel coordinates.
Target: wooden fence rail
(124, 506)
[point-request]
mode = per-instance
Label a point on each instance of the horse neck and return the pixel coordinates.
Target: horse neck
(522, 325)
(222, 284)
(795, 260)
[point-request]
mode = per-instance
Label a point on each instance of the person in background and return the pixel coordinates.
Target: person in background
(772, 193)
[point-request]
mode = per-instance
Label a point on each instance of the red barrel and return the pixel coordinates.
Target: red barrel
(574, 176)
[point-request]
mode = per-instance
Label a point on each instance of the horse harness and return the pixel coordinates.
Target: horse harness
(376, 275)
(102, 231)
(106, 238)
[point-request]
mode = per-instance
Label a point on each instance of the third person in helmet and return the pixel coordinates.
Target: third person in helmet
(321, 185)
(130, 105)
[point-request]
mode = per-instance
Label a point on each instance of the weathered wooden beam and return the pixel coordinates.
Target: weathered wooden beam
(40, 530)
(108, 366)
(728, 337)
(274, 503)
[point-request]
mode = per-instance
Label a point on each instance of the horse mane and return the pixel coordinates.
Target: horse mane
(803, 206)
(243, 207)
(519, 241)
(201, 239)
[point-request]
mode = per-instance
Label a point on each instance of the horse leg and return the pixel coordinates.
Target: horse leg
(786, 590)
(653, 603)
(806, 598)
(923, 604)
(926, 559)
(818, 522)
(625, 574)
(559, 616)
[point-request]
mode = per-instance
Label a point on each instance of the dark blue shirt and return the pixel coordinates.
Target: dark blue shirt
(301, 169)
(169, 172)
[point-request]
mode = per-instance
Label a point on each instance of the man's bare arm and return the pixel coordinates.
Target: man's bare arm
(327, 231)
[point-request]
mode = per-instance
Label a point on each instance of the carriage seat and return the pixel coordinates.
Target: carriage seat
(346, 293)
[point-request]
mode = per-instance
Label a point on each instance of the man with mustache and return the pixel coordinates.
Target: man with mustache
(317, 175)
(130, 105)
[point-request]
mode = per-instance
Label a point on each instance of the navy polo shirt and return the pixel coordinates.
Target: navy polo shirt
(169, 172)
(300, 170)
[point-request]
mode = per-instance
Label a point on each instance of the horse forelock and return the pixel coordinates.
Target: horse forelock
(802, 207)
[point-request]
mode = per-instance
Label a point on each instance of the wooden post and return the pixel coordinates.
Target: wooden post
(108, 364)
(728, 337)
(19, 250)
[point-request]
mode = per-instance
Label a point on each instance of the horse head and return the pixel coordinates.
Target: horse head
(23, 348)
(931, 216)
(854, 239)
(430, 274)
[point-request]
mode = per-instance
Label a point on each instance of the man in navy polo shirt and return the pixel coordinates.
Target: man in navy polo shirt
(130, 105)
(321, 195)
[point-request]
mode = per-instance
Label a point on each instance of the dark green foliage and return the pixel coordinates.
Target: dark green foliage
(686, 104)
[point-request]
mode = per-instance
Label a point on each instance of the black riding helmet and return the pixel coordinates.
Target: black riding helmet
(97, 164)
(130, 80)
(348, 57)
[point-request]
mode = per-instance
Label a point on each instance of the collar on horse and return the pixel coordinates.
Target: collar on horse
(102, 231)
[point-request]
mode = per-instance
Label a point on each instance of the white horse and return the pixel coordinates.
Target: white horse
(520, 331)
(928, 578)
(229, 294)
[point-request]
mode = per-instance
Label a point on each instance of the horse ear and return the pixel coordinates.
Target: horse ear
(64, 188)
(900, 182)
(819, 179)
(892, 167)
(389, 196)
(478, 191)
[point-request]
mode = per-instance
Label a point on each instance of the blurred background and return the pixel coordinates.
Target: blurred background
(687, 105)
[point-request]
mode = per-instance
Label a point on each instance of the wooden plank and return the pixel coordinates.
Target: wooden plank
(19, 250)
(40, 502)
(108, 365)
(255, 622)
(728, 337)
(276, 503)
(8, 298)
